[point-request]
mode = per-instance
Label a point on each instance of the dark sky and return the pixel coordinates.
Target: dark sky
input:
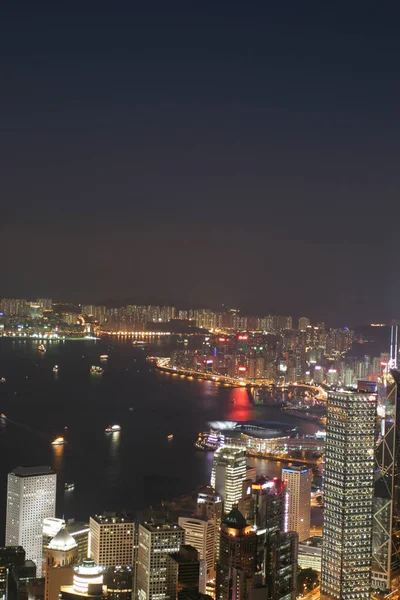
(244, 153)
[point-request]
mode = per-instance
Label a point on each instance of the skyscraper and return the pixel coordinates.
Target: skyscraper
(201, 534)
(237, 562)
(386, 522)
(31, 497)
(276, 550)
(348, 496)
(298, 481)
(112, 540)
(156, 543)
(228, 474)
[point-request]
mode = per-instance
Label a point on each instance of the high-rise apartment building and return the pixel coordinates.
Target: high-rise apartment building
(201, 534)
(348, 496)
(112, 540)
(228, 474)
(31, 497)
(298, 482)
(156, 543)
(304, 322)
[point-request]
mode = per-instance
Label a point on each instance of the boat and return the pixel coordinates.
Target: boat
(58, 442)
(41, 348)
(3, 380)
(113, 428)
(170, 437)
(69, 487)
(95, 370)
(103, 356)
(55, 369)
(209, 441)
(3, 416)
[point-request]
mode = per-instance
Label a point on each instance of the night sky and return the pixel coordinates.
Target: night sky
(244, 153)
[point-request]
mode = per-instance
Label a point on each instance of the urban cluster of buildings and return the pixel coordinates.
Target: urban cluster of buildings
(290, 357)
(247, 536)
(242, 540)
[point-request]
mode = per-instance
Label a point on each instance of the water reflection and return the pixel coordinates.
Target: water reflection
(58, 458)
(113, 469)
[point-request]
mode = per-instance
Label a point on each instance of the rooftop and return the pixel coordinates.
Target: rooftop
(160, 527)
(235, 519)
(112, 518)
(33, 471)
(62, 541)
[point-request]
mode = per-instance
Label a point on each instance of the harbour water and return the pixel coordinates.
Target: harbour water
(130, 469)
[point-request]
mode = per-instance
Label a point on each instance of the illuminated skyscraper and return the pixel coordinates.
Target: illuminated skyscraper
(237, 562)
(298, 481)
(348, 496)
(31, 497)
(87, 583)
(156, 543)
(201, 534)
(61, 556)
(112, 540)
(228, 474)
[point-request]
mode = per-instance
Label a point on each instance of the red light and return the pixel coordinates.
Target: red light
(221, 339)
(243, 337)
(383, 364)
(242, 369)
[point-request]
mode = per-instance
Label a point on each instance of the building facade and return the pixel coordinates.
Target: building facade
(112, 540)
(31, 497)
(228, 474)
(201, 534)
(348, 496)
(298, 482)
(156, 543)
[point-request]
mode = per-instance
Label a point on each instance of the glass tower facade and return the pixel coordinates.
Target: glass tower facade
(348, 496)
(386, 523)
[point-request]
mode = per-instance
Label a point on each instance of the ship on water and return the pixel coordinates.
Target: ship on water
(96, 370)
(209, 441)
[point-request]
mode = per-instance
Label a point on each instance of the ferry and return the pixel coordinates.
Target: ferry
(170, 437)
(209, 441)
(103, 356)
(3, 380)
(41, 348)
(113, 428)
(69, 487)
(95, 370)
(55, 369)
(58, 442)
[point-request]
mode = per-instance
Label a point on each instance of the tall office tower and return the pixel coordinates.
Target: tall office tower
(276, 551)
(237, 562)
(156, 542)
(31, 497)
(61, 556)
(304, 322)
(112, 540)
(228, 474)
(119, 582)
(183, 573)
(201, 534)
(348, 496)
(386, 522)
(87, 583)
(298, 482)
